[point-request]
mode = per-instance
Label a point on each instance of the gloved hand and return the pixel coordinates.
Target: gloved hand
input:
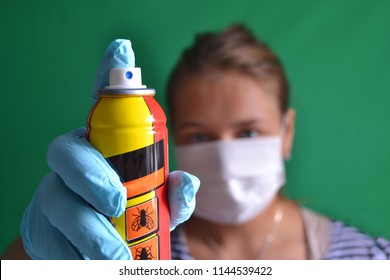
(66, 217)
(58, 223)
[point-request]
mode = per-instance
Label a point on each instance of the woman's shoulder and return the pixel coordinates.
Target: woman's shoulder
(348, 242)
(335, 240)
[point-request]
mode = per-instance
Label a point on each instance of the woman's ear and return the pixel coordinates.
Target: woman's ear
(288, 133)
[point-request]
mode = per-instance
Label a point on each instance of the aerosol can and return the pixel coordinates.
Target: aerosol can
(128, 127)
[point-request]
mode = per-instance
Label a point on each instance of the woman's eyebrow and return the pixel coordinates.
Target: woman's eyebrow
(248, 122)
(197, 124)
(190, 124)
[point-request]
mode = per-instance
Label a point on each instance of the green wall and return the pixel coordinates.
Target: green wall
(336, 54)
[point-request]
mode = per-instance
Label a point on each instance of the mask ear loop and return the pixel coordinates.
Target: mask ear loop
(283, 133)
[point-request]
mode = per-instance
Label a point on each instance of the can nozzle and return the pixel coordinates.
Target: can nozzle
(122, 78)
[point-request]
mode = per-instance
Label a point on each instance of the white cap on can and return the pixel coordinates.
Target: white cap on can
(123, 78)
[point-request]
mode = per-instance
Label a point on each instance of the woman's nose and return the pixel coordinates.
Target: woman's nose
(224, 136)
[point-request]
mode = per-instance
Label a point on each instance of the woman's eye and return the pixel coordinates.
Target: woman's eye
(249, 133)
(197, 138)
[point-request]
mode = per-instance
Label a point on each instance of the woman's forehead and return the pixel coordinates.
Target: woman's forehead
(229, 96)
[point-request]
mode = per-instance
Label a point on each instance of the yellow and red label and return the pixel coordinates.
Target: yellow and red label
(130, 132)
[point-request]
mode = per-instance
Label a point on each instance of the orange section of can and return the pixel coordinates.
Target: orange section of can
(145, 184)
(141, 220)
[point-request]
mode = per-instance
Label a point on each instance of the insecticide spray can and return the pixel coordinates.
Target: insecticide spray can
(128, 127)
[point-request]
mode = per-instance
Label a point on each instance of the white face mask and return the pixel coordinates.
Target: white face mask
(238, 178)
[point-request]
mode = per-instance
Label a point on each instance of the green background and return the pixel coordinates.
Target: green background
(336, 55)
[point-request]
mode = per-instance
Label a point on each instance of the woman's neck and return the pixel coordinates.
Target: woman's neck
(208, 240)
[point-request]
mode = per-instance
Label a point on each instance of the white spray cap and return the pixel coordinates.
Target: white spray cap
(123, 78)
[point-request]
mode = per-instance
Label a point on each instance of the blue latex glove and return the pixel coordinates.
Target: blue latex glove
(59, 223)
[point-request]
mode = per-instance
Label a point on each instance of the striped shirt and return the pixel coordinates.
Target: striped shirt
(345, 243)
(348, 243)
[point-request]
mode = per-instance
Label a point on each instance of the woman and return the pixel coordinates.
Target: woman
(228, 98)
